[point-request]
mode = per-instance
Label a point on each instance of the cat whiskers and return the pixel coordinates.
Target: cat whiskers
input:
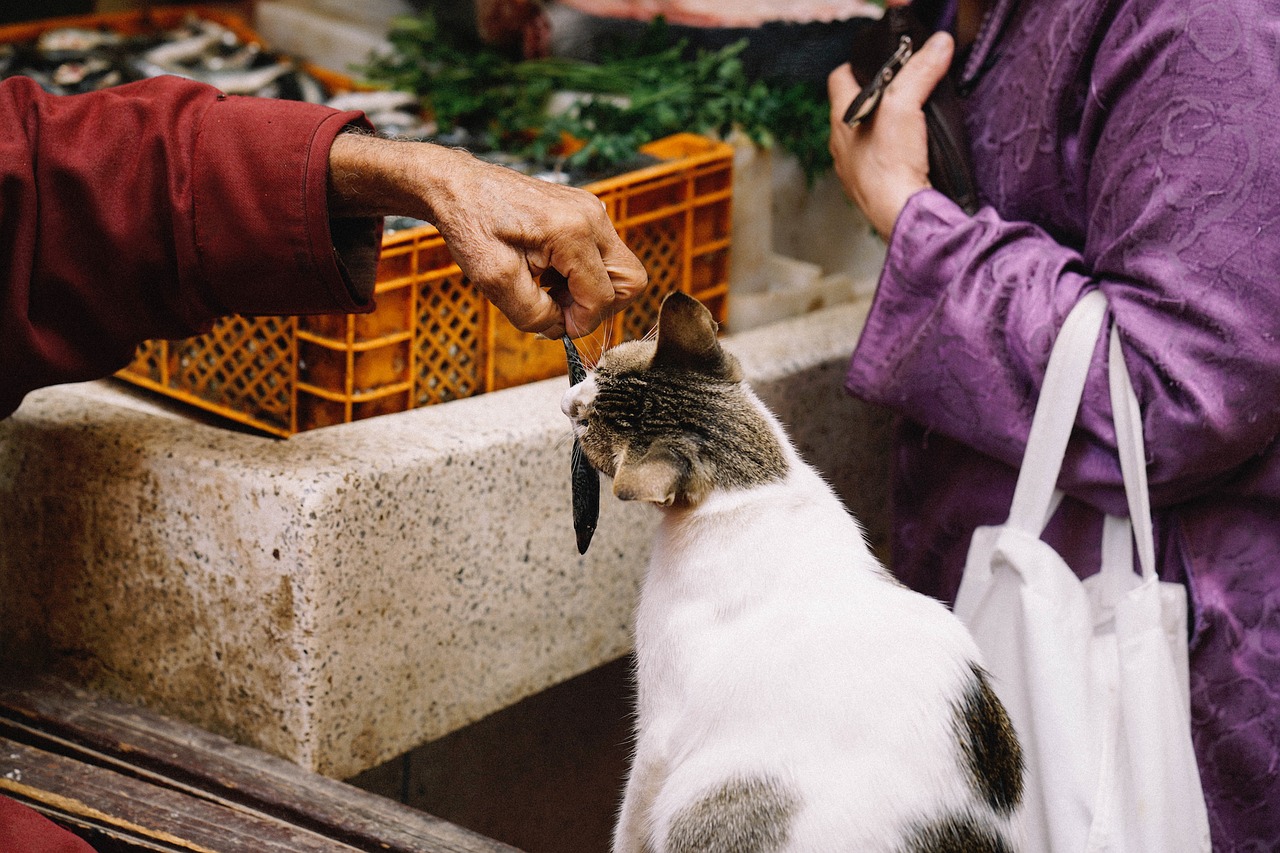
(563, 440)
(575, 455)
(591, 348)
(604, 333)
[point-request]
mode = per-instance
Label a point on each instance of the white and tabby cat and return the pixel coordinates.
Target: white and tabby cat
(792, 695)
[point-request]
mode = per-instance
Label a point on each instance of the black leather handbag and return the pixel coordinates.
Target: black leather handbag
(877, 53)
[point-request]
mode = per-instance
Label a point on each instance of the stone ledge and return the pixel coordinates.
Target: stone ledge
(342, 596)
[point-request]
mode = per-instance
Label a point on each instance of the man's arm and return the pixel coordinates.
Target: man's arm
(152, 209)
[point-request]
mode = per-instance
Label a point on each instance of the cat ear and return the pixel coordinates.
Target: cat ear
(687, 338)
(653, 476)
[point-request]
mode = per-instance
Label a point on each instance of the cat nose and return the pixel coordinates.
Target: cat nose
(569, 403)
(576, 401)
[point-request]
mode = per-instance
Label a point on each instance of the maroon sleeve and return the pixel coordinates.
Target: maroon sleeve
(149, 210)
(22, 828)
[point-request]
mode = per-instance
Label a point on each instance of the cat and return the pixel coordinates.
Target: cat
(792, 695)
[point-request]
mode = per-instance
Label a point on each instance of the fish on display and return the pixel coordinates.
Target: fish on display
(73, 60)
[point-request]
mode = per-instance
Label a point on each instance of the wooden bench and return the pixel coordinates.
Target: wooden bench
(126, 779)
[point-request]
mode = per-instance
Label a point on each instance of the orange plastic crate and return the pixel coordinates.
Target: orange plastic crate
(434, 338)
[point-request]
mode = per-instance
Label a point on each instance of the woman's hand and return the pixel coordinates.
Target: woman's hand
(884, 161)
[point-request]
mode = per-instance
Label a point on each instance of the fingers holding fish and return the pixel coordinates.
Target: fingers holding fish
(575, 249)
(589, 282)
(490, 214)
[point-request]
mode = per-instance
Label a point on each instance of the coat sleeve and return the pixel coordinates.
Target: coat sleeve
(149, 210)
(1182, 198)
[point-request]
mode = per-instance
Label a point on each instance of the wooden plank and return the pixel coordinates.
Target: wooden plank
(149, 816)
(50, 714)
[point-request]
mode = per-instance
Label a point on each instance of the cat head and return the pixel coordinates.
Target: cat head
(671, 420)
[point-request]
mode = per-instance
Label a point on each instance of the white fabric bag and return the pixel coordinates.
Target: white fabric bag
(1094, 674)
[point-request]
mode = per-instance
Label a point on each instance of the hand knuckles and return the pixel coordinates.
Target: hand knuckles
(494, 270)
(526, 315)
(641, 278)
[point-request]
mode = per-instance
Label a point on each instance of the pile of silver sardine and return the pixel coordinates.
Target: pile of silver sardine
(69, 61)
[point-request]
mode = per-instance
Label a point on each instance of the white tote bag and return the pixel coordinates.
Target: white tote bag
(1093, 673)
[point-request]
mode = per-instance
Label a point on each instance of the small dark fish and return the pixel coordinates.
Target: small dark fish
(586, 482)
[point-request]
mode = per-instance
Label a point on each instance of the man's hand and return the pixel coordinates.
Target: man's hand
(884, 161)
(504, 229)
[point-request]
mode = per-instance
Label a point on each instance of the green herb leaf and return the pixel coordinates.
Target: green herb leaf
(656, 87)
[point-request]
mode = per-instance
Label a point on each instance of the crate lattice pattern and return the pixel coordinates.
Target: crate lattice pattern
(662, 257)
(450, 318)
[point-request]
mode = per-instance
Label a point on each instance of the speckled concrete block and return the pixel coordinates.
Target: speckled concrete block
(345, 595)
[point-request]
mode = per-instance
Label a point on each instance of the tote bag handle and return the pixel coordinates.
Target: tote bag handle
(1035, 497)
(1064, 378)
(1127, 415)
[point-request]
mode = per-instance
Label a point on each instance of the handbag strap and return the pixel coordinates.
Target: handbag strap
(1055, 414)
(1127, 415)
(1035, 496)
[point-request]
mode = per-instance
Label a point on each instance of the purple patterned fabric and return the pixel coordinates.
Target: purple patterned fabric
(1132, 146)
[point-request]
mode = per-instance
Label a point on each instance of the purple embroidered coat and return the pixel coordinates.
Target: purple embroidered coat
(1132, 146)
